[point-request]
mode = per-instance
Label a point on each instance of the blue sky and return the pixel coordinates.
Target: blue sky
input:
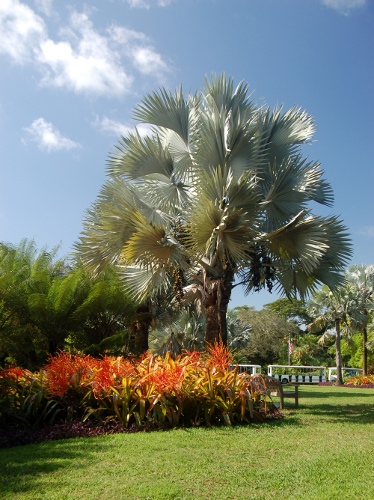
(71, 73)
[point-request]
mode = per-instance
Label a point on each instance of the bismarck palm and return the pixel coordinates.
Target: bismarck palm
(218, 193)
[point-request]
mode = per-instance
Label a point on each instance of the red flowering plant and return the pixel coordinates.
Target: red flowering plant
(67, 372)
(113, 390)
(193, 389)
(364, 380)
(167, 380)
(108, 373)
(14, 387)
(219, 356)
(23, 398)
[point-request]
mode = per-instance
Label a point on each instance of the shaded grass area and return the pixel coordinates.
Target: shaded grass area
(323, 450)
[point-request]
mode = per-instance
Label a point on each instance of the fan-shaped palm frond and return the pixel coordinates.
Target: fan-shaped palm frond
(142, 282)
(220, 187)
(289, 186)
(282, 133)
(163, 109)
(140, 157)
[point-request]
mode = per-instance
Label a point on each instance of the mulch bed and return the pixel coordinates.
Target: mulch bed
(18, 434)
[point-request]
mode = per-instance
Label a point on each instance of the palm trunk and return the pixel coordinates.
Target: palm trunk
(138, 343)
(216, 305)
(364, 351)
(339, 376)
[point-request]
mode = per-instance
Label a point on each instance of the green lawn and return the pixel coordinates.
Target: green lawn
(323, 450)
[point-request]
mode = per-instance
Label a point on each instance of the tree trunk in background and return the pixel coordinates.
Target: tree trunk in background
(138, 343)
(339, 376)
(364, 352)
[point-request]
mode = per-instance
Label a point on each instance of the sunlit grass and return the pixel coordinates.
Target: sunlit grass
(323, 450)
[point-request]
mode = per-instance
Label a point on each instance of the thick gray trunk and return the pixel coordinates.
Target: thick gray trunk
(216, 306)
(339, 376)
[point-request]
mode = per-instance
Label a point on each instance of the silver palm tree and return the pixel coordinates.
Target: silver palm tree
(217, 194)
(361, 278)
(334, 312)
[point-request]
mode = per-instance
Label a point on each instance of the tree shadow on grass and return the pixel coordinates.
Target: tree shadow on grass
(344, 393)
(22, 467)
(356, 414)
(337, 406)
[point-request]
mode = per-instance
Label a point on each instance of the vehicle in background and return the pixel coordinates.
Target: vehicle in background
(250, 369)
(299, 374)
(347, 372)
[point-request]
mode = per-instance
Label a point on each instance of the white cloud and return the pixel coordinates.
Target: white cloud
(368, 231)
(344, 6)
(21, 30)
(85, 62)
(147, 4)
(82, 60)
(48, 138)
(142, 55)
(124, 36)
(149, 62)
(44, 6)
(118, 128)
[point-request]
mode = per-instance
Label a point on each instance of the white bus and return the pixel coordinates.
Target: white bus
(347, 372)
(300, 374)
(250, 369)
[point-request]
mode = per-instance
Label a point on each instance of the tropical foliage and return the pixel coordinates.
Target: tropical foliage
(193, 389)
(362, 380)
(361, 278)
(218, 190)
(46, 305)
(267, 337)
(333, 313)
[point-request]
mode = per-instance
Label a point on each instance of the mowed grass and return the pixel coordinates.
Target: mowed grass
(323, 450)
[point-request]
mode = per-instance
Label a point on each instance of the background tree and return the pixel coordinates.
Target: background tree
(268, 336)
(361, 278)
(307, 350)
(219, 189)
(238, 332)
(46, 305)
(333, 310)
(25, 275)
(186, 326)
(104, 316)
(290, 309)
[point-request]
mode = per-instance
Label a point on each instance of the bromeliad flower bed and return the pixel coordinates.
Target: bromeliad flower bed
(150, 393)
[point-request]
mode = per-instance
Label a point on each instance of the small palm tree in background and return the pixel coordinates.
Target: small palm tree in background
(361, 278)
(334, 312)
(216, 194)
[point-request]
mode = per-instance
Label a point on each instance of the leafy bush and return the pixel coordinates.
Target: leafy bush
(365, 380)
(150, 392)
(24, 398)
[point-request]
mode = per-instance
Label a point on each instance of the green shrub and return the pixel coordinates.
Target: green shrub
(194, 389)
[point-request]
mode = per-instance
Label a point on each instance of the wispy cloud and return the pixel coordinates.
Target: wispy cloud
(344, 6)
(117, 128)
(45, 6)
(21, 31)
(137, 48)
(149, 62)
(82, 60)
(367, 231)
(147, 4)
(48, 138)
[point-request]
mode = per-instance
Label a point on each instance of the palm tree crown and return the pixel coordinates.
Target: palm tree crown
(217, 191)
